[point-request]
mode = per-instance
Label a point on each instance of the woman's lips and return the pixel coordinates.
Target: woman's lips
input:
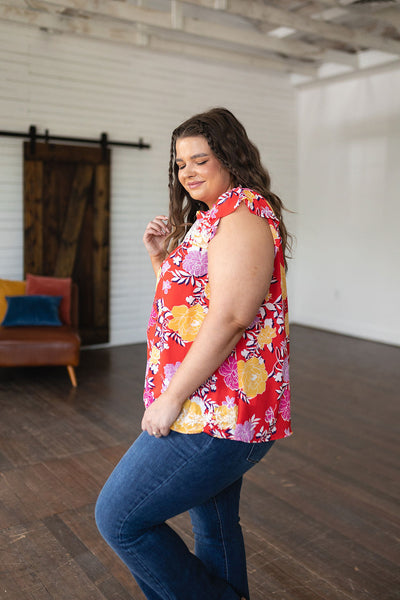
(194, 184)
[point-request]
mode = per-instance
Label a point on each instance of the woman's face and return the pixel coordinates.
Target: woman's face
(200, 172)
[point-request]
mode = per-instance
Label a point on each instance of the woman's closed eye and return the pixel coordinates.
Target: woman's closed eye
(182, 166)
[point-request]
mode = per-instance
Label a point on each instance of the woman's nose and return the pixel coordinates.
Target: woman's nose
(190, 170)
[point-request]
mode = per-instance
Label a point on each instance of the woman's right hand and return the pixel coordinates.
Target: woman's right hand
(154, 236)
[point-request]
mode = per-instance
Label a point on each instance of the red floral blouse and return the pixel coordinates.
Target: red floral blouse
(248, 397)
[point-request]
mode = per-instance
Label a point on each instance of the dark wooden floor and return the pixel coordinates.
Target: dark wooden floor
(320, 513)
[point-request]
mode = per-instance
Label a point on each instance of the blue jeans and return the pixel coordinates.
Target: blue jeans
(159, 478)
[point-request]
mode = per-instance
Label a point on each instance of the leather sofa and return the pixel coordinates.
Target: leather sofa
(41, 346)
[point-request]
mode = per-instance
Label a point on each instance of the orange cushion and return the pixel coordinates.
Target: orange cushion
(9, 288)
(52, 286)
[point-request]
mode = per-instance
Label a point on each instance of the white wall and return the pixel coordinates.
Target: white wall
(80, 87)
(348, 252)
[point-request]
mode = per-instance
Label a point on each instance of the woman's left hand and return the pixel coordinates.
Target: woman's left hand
(160, 415)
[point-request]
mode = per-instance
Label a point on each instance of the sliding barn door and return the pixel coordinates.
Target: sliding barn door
(66, 222)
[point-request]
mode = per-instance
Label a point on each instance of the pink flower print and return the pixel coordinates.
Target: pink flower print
(288, 433)
(228, 370)
(196, 263)
(285, 370)
(164, 268)
(153, 316)
(148, 397)
(169, 371)
(284, 405)
(166, 286)
(244, 431)
(269, 415)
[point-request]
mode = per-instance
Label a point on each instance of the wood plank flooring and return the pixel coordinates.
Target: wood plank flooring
(320, 513)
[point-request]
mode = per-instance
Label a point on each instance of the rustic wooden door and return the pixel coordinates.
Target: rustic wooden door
(66, 223)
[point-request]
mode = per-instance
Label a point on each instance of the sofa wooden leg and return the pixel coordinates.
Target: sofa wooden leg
(71, 373)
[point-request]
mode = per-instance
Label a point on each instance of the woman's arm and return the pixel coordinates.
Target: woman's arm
(240, 267)
(154, 237)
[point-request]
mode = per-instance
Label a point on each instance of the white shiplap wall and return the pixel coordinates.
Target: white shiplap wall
(81, 87)
(348, 276)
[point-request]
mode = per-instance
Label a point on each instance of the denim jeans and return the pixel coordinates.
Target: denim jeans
(159, 478)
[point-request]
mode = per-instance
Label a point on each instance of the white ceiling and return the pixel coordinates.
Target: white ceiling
(309, 39)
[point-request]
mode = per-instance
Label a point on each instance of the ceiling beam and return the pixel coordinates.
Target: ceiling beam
(250, 38)
(388, 14)
(235, 58)
(123, 11)
(205, 29)
(56, 24)
(355, 37)
(116, 20)
(142, 37)
(127, 12)
(384, 12)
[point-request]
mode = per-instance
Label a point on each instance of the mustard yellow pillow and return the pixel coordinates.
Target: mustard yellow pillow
(9, 288)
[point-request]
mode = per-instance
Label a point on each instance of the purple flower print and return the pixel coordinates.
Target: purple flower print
(269, 415)
(229, 401)
(255, 322)
(285, 369)
(166, 286)
(284, 405)
(164, 268)
(228, 370)
(169, 371)
(196, 263)
(267, 212)
(213, 211)
(244, 432)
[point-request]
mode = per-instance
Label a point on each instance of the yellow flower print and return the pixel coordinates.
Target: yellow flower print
(187, 321)
(287, 323)
(199, 238)
(190, 419)
(252, 376)
(283, 283)
(154, 356)
(266, 336)
(226, 416)
(248, 194)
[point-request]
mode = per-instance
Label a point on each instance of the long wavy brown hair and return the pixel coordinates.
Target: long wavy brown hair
(229, 142)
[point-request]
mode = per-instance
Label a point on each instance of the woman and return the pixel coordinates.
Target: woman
(217, 378)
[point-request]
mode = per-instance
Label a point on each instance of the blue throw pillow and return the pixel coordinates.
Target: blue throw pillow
(32, 310)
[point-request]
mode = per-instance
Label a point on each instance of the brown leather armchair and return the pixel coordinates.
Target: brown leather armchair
(41, 346)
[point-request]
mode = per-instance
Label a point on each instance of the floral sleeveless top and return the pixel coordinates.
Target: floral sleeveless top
(248, 397)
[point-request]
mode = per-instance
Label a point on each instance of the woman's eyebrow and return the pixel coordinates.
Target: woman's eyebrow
(200, 155)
